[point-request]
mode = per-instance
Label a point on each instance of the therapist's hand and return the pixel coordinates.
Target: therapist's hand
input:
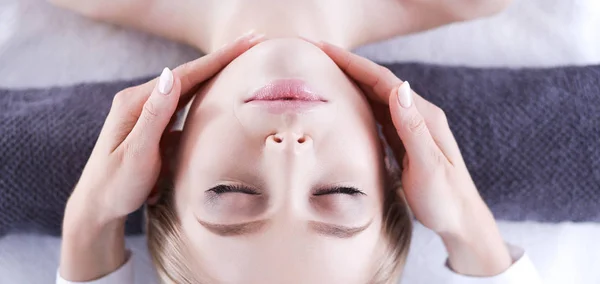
(436, 182)
(125, 164)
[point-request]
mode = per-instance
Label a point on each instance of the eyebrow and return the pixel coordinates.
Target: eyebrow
(231, 230)
(242, 229)
(337, 231)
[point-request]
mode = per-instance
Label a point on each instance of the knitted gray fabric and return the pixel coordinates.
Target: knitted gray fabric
(530, 138)
(46, 137)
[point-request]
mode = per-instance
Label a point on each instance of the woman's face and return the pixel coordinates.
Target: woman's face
(280, 172)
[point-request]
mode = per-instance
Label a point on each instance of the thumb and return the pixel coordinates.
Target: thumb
(156, 114)
(421, 149)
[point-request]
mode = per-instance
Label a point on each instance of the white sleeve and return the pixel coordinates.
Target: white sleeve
(123, 275)
(521, 271)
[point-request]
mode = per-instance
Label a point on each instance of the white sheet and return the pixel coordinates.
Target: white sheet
(563, 253)
(44, 46)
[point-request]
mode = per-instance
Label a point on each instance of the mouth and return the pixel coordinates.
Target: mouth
(286, 95)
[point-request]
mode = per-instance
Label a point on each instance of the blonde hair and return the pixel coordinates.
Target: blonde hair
(167, 249)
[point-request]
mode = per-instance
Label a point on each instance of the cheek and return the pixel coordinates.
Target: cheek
(214, 142)
(341, 208)
(232, 207)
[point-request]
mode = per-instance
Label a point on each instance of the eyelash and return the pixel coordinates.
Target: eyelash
(223, 188)
(339, 190)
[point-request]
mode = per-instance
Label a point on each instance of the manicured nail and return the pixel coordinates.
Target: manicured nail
(405, 95)
(248, 33)
(256, 38)
(165, 81)
(245, 35)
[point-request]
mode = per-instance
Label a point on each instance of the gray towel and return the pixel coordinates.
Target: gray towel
(530, 138)
(46, 137)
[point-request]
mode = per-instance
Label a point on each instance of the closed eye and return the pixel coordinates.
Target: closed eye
(338, 190)
(228, 188)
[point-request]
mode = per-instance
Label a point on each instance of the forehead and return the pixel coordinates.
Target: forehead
(286, 254)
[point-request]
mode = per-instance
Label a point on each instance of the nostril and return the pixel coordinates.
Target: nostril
(277, 139)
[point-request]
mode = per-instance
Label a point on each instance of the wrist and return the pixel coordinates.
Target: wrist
(86, 211)
(92, 245)
(477, 247)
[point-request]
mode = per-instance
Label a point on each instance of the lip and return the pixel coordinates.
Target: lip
(286, 95)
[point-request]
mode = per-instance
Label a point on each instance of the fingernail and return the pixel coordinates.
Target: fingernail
(246, 34)
(165, 81)
(405, 95)
(256, 38)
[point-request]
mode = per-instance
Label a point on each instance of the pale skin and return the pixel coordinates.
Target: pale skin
(208, 24)
(432, 162)
(466, 226)
(129, 146)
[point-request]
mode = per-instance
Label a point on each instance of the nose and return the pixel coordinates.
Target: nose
(290, 141)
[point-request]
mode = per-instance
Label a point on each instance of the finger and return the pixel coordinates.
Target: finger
(168, 149)
(434, 117)
(382, 82)
(128, 104)
(383, 117)
(393, 140)
(195, 72)
(155, 115)
(123, 115)
(200, 70)
(421, 149)
(380, 79)
(437, 123)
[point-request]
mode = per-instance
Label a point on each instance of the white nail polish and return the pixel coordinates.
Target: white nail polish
(165, 81)
(248, 33)
(405, 95)
(256, 38)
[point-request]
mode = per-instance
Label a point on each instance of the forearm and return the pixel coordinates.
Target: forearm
(478, 249)
(91, 247)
